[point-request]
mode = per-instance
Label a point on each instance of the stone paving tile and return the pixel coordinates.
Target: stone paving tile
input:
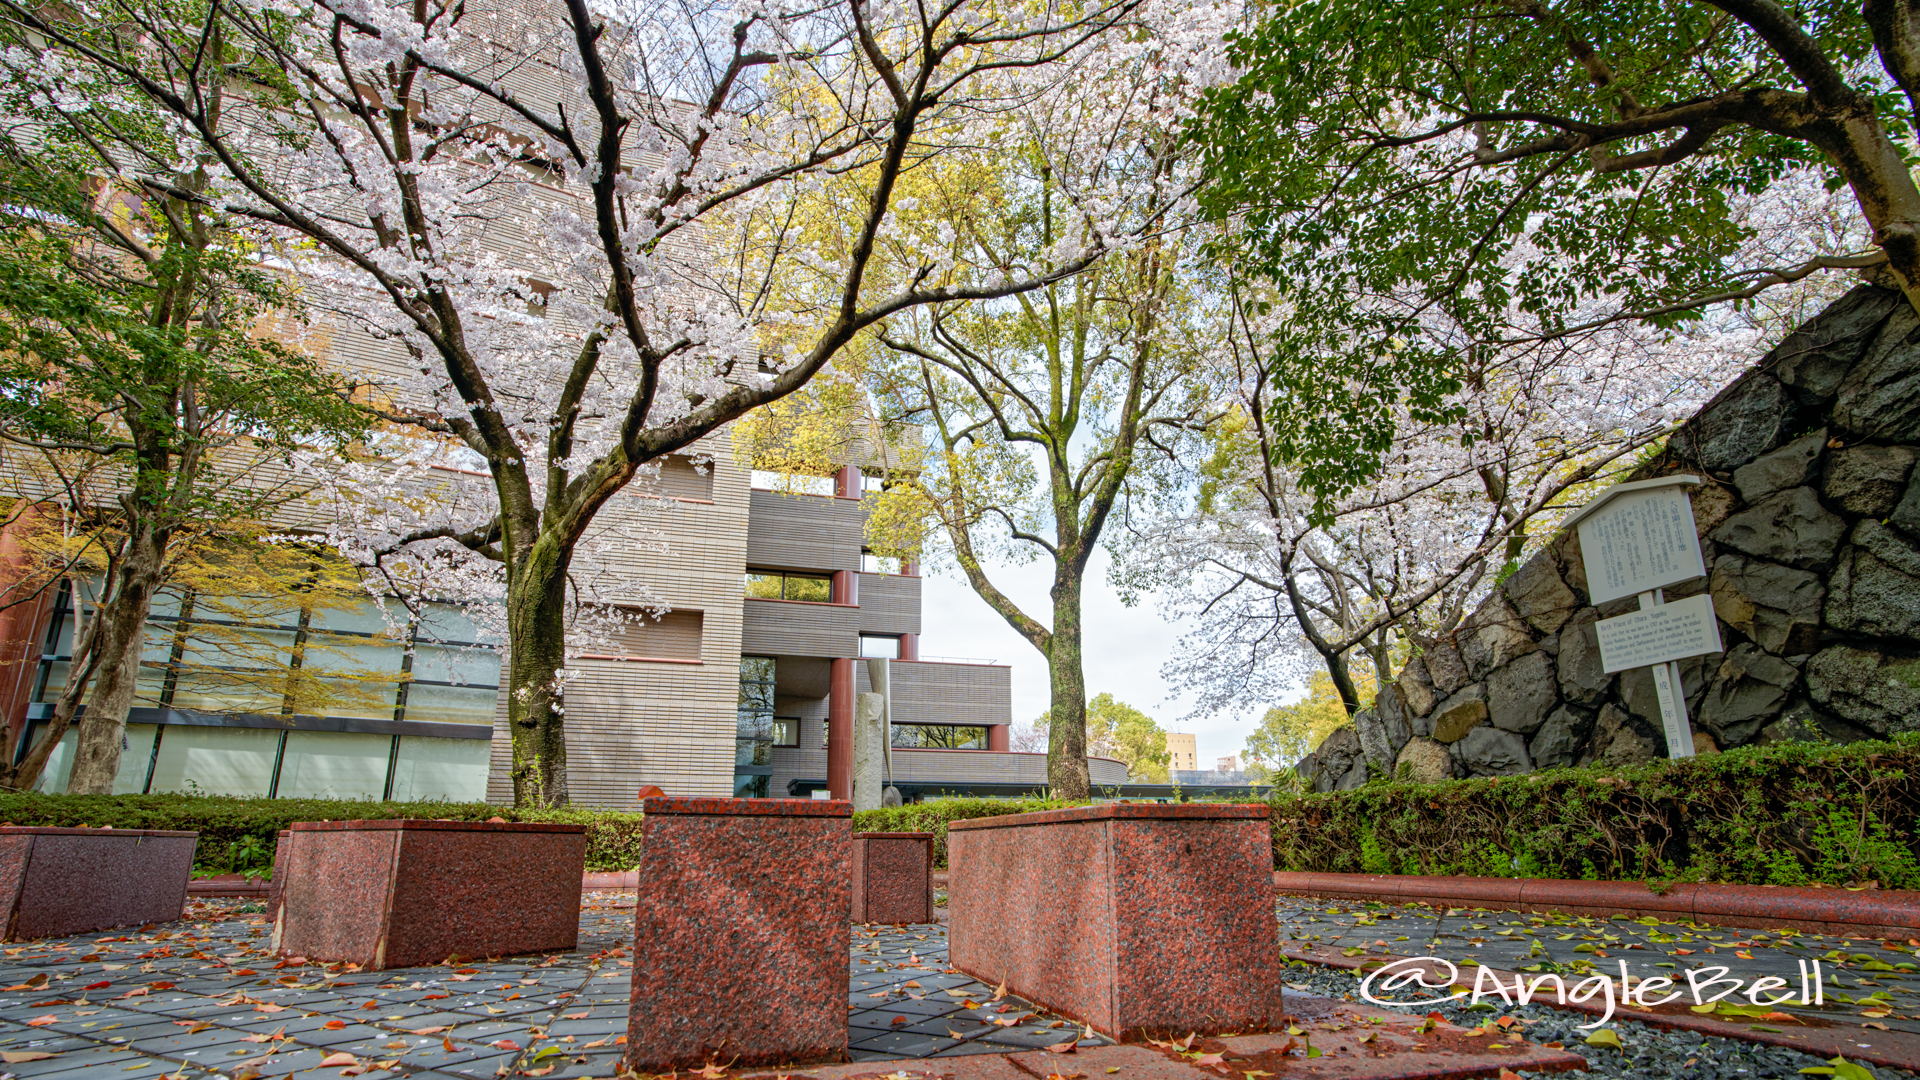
(1866, 980)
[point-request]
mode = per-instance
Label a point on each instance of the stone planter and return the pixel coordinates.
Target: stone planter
(740, 935)
(1138, 919)
(893, 877)
(71, 881)
(406, 893)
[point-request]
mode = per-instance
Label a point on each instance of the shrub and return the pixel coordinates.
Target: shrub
(1786, 814)
(237, 835)
(934, 814)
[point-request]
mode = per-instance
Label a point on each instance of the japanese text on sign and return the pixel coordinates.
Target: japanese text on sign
(1640, 541)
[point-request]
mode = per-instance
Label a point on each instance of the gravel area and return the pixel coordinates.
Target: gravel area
(1645, 1053)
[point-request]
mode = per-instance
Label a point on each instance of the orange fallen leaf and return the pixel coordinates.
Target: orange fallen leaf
(504, 1044)
(575, 1016)
(1067, 1047)
(267, 1007)
(334, 1025)
(446, 1044)
(594, 1045)
(1683, 952)
(42, 1021)
(341, 1058)
(1001, 991)
(16, 1057)
(426, 1030)
(243, 971)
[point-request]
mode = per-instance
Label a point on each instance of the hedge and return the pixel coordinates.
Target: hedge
(237, 834)
(934, 814)
(1787, 814)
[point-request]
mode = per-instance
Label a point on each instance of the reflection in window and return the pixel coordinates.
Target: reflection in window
(778, 585)
(878, 564)
(786, 731)
(234, 655)
(939, 737)
(879, 647)
(789, 483)
(753, 728)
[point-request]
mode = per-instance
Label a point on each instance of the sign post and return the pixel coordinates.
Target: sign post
(1637, 538)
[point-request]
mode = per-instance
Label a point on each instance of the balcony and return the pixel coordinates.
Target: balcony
(804, 532)
(889, 604)
(795, 628)
(927, 692)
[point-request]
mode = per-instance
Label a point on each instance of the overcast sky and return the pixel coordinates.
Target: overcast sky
(1125, 647)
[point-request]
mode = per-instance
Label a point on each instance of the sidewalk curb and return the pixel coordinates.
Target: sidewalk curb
(1872, 913)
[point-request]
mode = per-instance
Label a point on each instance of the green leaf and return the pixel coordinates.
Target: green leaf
(1605, 1037)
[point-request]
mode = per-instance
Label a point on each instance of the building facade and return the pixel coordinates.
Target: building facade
(745, 687)
(1183, 754)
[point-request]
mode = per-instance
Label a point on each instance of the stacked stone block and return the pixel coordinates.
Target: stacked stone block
(1809, 520)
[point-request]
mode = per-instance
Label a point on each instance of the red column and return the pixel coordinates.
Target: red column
(997, 735)
(909, 646)
(846, 587)
(22, 627)
(846, 482)
(840, 728)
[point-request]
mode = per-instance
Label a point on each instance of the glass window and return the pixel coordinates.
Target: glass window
(59, 766)
(879, 647)
(746, 786)
(753, 735)
(786, 731)
(136, 753)
(451, 704)
(939, 737)
(218, 760)
(879, 564)
(450, 769)
(333, 765)
(870, 482)
(778, 585)
(792, 483)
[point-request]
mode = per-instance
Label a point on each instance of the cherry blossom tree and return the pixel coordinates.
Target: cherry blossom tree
(562, 225)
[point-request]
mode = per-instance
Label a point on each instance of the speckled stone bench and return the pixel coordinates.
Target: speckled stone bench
(740, 934)
(1139, 919)
(893, 877)
(71, 881)
(407, 892)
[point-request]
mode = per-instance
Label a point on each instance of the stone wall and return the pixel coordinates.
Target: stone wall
(1809, 520)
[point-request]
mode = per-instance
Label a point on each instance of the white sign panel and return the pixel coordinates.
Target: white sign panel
(1639, 541)
(1655, 635)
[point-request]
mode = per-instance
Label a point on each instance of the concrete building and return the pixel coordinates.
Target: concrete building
(1182, 753)
(745, 688)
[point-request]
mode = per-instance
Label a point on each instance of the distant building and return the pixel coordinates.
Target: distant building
(1214, 778)
(1228, 764)
(1182, 753)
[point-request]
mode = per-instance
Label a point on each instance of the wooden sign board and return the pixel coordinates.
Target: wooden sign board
(1639, 537)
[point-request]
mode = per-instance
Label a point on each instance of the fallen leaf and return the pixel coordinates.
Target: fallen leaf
(594, 1045)
(447, 1044)
(1605, 1037)
(426, 1030)
(267, 1007)
(498, 1044)
(1001, 992)
(341, 1058)
(1209, 1059)
(713, 1071)
(16, 1057)
(334, 1025)
(42, 1021)
(575, 1016)
(1067, 1047)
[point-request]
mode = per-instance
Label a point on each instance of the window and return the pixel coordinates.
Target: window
(753, 729)
(683, 477)
(869, 482)
(792, 483)
(779, 585)
(786, 731)
(939, 737)
(878, 564)
(879, 648)
(673, 636)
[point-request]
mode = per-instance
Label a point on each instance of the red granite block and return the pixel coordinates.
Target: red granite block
(740, 938)
(1138, 919)
(403, 893)
(893, 877)
(71, 881)
(282, 851)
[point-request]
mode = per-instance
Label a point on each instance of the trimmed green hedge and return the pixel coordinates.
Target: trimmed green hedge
(932, 816)
(1788, 814)
(237, 835)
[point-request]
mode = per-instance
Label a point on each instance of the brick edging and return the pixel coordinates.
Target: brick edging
(1842, 912)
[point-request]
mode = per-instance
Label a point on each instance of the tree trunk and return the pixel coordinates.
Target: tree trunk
(1067, 733)
(536, 700)
(123, 631)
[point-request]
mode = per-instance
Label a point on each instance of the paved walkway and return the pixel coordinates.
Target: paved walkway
(203, 997)
(1864, 983)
